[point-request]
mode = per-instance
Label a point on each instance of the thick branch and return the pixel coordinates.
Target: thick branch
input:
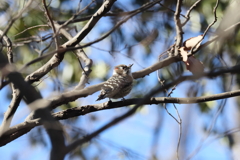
(57, 58)
(81, 56)
(83, 110)
(38, 105)
(21, 129)
(8, 115)
(140, 10)
(106, 6)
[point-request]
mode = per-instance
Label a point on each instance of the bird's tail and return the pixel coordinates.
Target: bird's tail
(101, 96)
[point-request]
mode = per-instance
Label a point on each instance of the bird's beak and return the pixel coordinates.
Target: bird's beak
(130, 65)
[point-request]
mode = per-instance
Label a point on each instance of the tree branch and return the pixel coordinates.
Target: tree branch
(209, 26)
(39, 106)
(106, 6)
(83, 110)
(20, 129)
(81, 55)
(178, 25)
(189, 11)
(141, 9)
(51, 23)
(8, 115)
(58, 57)
(15, 18)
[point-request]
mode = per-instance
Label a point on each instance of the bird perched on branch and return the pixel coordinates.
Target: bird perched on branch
(119, 85)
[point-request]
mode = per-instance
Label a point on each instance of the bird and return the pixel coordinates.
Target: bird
(119, 84)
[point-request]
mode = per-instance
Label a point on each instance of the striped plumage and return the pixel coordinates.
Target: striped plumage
(119, 85)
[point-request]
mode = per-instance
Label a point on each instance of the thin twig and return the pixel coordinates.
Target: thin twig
(15, 18)
(187, 16)
(225, 134)
(180, 130)
(52, 24)
(179, 120)
(168, 95)
(70, 44)
(205, 32)
(57, 59)
(171, 9)
(79, 6)
(108, 14)
(200, 145)
(81, 55)
(46, 48)
(74, 16)
(41, 25)
(213, 122)
(178, 26)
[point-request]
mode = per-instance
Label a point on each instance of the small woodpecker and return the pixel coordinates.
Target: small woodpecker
(119, 85)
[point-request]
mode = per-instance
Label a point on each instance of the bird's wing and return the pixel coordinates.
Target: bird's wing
(110, 88)
(112, 85)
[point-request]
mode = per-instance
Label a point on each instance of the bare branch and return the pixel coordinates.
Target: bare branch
(178, 25)
(39, 106)
(209, 26)
(41, 25)
(8, 45)
(144, 72)
(141, 9)
(83, 110)
(81, 56)
(110, 14)
(51, 24)
(209, 129)
(51, 63)
(73, 17)
(57, 58)
(78, 142)
(86, 70)
(8, 115)
(189, 11)
(226, 31)
(15, 18)
(171, 10)
(91, 23)
(22, 128)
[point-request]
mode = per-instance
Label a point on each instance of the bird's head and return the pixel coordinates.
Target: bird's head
(122, 70)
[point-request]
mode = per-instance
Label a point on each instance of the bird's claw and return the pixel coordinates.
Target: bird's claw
(109, 101)
(123, 99)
